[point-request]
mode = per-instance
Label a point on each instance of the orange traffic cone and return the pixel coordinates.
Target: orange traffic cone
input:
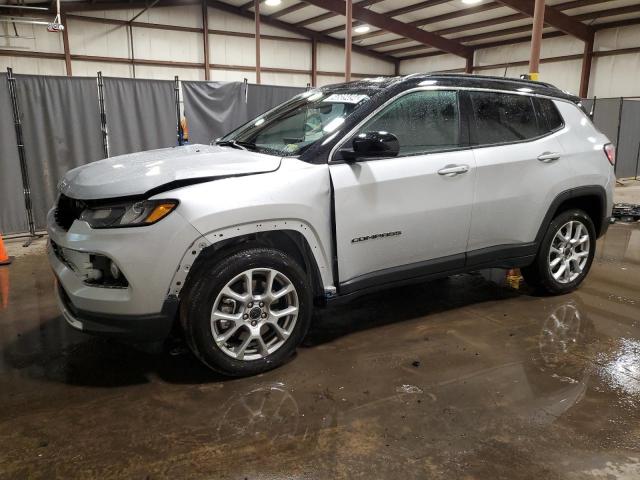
(4, 258)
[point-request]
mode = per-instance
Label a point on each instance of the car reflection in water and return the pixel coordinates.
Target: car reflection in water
(533, 389)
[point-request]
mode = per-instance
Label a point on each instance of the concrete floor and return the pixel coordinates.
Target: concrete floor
(628, 191)
(456, 379)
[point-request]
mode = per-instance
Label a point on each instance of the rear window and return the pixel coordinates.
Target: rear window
(504, 118)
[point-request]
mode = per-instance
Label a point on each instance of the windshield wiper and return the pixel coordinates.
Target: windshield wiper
(237, 144)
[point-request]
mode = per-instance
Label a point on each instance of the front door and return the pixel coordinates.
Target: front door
(408, 215)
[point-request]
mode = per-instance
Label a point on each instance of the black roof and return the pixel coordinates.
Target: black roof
(456, 80)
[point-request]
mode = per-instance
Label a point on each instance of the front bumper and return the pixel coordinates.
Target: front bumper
(144, 328)
(148, 257)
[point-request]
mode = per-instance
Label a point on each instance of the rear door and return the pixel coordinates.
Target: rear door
(520, 169)
(404, 216)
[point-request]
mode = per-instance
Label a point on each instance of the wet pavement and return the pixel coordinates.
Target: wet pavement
(462, 378)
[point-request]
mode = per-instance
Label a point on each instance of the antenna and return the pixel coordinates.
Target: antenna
(592, 111)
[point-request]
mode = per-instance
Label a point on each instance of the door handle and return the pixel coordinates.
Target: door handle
(548, 157)
(453, 170)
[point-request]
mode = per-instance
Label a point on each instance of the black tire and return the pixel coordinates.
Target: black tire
(202, 292)
(538, 275)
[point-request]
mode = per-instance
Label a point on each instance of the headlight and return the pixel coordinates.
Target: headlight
(129, 214)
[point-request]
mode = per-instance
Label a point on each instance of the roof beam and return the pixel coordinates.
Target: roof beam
(579, 18)
(527, 38)
(394, 13)
(288, 10)
(481, 24)
(325, 16)
(120, 5)
(553, 18)
(438, 18)
(305, 32)
(394, 26)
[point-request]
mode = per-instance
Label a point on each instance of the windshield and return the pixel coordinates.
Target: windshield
(294, 126)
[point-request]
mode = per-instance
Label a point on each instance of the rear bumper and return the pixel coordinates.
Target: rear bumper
(142, 328)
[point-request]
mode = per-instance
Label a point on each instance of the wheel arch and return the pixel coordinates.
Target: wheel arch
(592, 199)
(221, 244)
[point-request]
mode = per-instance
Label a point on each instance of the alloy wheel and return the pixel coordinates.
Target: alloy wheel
(569, 251)
(254, 314)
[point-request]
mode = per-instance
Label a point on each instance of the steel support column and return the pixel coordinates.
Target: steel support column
(587, 56)
(347, 40)
(65, 43)
(468, 67)
(256, 4)
(205, 38)
(536, 39)
(314, 62)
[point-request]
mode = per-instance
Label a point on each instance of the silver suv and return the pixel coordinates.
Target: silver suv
(340, 191)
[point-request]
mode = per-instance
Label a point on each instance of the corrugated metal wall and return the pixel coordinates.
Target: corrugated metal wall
(611, 76)
(106, 40)
(95, 39)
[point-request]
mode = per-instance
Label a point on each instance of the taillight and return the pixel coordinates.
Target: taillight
(610, 152)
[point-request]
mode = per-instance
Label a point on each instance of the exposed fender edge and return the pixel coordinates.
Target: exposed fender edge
(211, 238)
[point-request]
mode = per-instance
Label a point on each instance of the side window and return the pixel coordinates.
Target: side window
(549, 114)
(502, 118)
(423, 121)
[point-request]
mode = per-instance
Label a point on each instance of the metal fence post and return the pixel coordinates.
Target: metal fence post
(103, 116)
(176, 91)
(26, 184)
(615, 167)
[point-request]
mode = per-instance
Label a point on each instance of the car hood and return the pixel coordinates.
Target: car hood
(142, 172)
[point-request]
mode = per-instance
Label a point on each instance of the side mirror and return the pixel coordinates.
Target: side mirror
(372, 145)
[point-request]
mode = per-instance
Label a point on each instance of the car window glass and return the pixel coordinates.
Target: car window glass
(549, 112)
(302, 126)
(501, 117)
(422, 121)
(294, 126)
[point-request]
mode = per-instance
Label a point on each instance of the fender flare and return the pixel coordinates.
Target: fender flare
(577, 192)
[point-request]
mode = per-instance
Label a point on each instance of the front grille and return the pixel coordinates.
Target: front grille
(67, 211)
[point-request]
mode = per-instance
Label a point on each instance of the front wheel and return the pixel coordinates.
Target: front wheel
(248, 312)
(565, 254)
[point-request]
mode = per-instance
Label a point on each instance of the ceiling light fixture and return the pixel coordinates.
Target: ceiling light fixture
(272, 3)
(471, 2)
(362, 29)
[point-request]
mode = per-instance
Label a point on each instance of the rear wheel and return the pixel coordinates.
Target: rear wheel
(248, 312)
(565, 254)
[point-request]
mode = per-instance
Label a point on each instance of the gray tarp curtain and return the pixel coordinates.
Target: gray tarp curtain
(609, 118)
(13, 215)
(141, 114)
(61, 130)
(213, 109)
(629, 144)
(264, 97)
(606, 116)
